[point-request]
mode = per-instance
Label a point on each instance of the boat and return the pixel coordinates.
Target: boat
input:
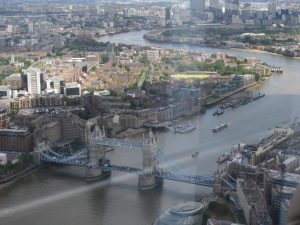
(182, 129)
(258, 97)
(220, 127)
(236, 104)
(219, 112)
(225, 105)
(195, 154)
(223, 158)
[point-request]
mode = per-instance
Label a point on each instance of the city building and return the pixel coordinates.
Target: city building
(50, 131)
(284, 208)
(280, 194)
(215, 4)
(33, 81)
(71, 127)
(153, 55)
(3, 159)
(279, 186)
(30, 27)
(252, 202)
(220, 222)
(72, 89)
(232, 7)
(14, 81)
(11, 28)
(168, 17)
(3, 118)
(197, 5)
(55, 84)
(16, 140)
(272, 10)
(5, 91)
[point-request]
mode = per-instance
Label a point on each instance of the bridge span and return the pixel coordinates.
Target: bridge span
(156, 165)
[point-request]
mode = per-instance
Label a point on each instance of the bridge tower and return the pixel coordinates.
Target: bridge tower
(96, 153)
(148, 179)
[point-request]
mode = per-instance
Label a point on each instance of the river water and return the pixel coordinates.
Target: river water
(50, 197)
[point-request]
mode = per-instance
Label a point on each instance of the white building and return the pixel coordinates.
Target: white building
(10, 29)
(291, 163)
(54, 84)
(30, 27)
(3, 159)
(33, 81)
(102, 93)
(153, 55)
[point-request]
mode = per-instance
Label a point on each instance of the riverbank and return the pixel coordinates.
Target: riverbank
(183, 41)
(15, 177)
(157, 37)
(212, 103)
(259, 51)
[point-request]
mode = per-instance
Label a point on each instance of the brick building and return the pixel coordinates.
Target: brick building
(16, 140)
(3, 118)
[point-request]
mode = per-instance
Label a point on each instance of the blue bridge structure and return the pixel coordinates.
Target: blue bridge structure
(156, 165)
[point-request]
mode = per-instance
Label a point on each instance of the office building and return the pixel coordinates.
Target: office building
(153, 56)
(197, 5)
(252, 202)
(30, 27)
(5, 91)
(284, 207)
(272, 9)
(3, 118)
(15, 140)
(33, 81)
(215, 4)
(54, 84)
(14, 80)
(168, 17)
(72, 90)
(3, 159)
(232, 6)
(220, 222)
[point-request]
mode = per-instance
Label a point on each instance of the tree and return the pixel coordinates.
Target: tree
(25, 159)
(105, 58)
(12, 114)
(93, 69)
(77, 144)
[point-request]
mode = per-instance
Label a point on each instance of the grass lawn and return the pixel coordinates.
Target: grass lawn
(210, 99)
(190, 76)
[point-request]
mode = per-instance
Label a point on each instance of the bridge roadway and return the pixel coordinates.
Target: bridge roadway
(166, 175)
(78, 159)
(165, 171)
(111, 142)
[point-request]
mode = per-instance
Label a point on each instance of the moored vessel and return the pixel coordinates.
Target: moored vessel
(220, 127)
(181, 129)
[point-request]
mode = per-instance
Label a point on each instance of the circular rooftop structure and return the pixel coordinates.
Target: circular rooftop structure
(186, 209)
(188, 213)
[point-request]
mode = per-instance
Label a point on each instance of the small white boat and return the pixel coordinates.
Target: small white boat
(181, 129)
(221, 127)
(195, 154)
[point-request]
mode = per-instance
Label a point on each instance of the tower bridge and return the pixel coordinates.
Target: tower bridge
(156, 165)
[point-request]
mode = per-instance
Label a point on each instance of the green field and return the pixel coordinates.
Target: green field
(190, 76)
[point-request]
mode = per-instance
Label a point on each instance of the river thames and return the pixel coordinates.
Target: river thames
(48, 197)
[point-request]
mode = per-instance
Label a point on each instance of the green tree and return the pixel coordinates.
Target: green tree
(105, 58)
(77, 144)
